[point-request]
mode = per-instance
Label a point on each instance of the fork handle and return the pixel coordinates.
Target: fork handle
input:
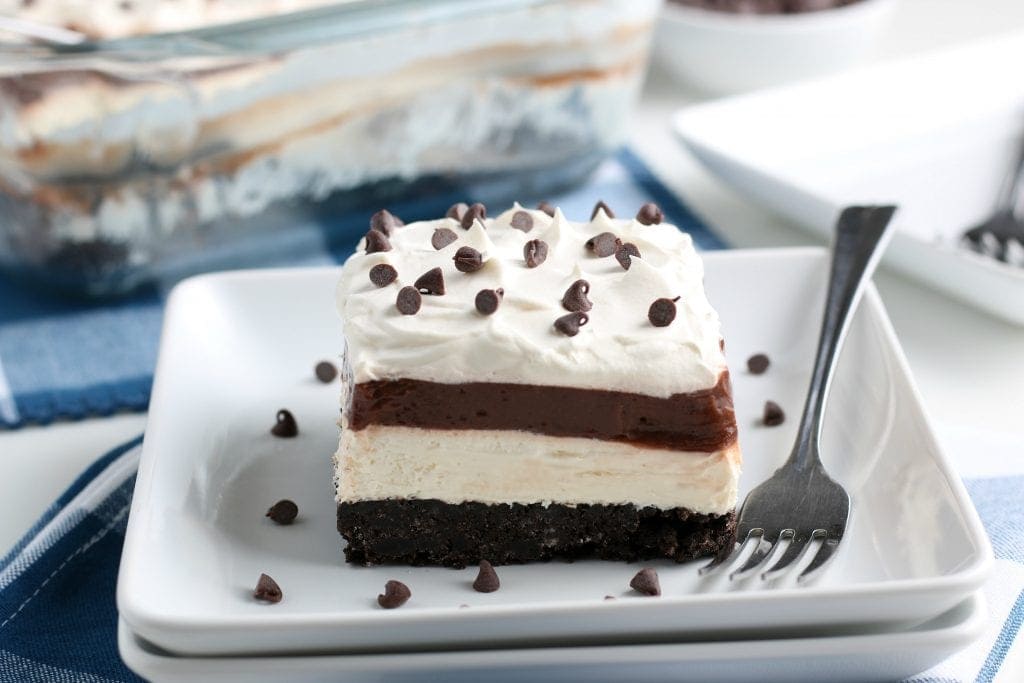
(1010, 191)
(861, 235)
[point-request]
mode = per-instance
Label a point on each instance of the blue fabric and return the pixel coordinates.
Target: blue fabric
(58, 619)
(74, 359)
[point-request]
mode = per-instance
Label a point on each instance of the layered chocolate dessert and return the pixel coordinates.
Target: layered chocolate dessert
(114, 167)
(525, 388)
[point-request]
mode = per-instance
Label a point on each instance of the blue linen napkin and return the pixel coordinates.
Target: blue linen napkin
(58, 620)
(73, 359)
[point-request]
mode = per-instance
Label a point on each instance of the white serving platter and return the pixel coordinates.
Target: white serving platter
(934, 134)
(860, 657)
(239, 346)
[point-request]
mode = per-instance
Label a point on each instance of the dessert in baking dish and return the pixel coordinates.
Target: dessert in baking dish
(117, 164)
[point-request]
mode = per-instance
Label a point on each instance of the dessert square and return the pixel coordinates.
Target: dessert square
(525, 388)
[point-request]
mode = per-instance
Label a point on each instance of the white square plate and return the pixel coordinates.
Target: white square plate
(934, 134)
(238, 346)
(857, 657)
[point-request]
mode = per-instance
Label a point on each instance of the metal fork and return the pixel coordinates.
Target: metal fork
(800, 502)
(1001, 235)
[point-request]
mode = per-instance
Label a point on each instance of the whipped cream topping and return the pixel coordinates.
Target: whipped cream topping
(449, 341)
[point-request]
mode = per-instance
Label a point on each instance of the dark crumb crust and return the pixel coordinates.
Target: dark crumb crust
(431, 532)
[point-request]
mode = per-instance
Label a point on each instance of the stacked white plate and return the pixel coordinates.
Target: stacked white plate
(935, 134)
(901, 596)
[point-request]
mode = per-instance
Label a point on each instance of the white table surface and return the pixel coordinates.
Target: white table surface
(969, 367)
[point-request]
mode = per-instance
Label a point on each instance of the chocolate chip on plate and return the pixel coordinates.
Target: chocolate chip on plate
(604, 244)
(486, 579)
(467, 260)
(662, 312)
(609, 597)
(377, 241)
(267, 590)
(646, 582)
(325, 371)
(408, 301)
(522, 221)
(457, 211)
(650, 214)
(283, 512)
(442, 237)
(570, 324)
(431, 282)
(474, 212)
(384, 221)
(285, 426)
(488, 300)
(758, 363)
(601, 206)
(382, 275)
(395, 595)
(773, 414)
(535, 252)
(546, 208)
(575, 298)
(625, 253)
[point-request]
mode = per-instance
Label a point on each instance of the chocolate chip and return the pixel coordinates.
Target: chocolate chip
(408, 301)
(486, 579)
(285, 426)
(442, 237)
(457, 211)
(395, 595)
(546, 208)
(646, 582)
(487, 300)
(522, 221)
(467, 260)
(625, 253)
(662, 312)
(535, 252)
(267, 590)
(325, 371)
(650, 214)
(599, 207)
(431, 282)
(609, 597)
(383, 275)
(570, 324)
(283, 512)
(377, 241)
(604, 244)
(575, 298)
(773, 414)
(758, 363)
(383, 221)
(477, 211)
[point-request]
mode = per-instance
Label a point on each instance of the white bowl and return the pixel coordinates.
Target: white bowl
(722, 52)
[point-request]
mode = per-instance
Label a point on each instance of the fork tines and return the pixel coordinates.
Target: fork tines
(767, 551)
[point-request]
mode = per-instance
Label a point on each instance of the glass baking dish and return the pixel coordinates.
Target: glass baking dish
(145, 158)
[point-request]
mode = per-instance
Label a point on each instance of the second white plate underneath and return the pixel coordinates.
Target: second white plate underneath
(859, 657)
(237, 347)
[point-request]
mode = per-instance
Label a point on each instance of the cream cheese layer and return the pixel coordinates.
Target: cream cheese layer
(456, 466)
